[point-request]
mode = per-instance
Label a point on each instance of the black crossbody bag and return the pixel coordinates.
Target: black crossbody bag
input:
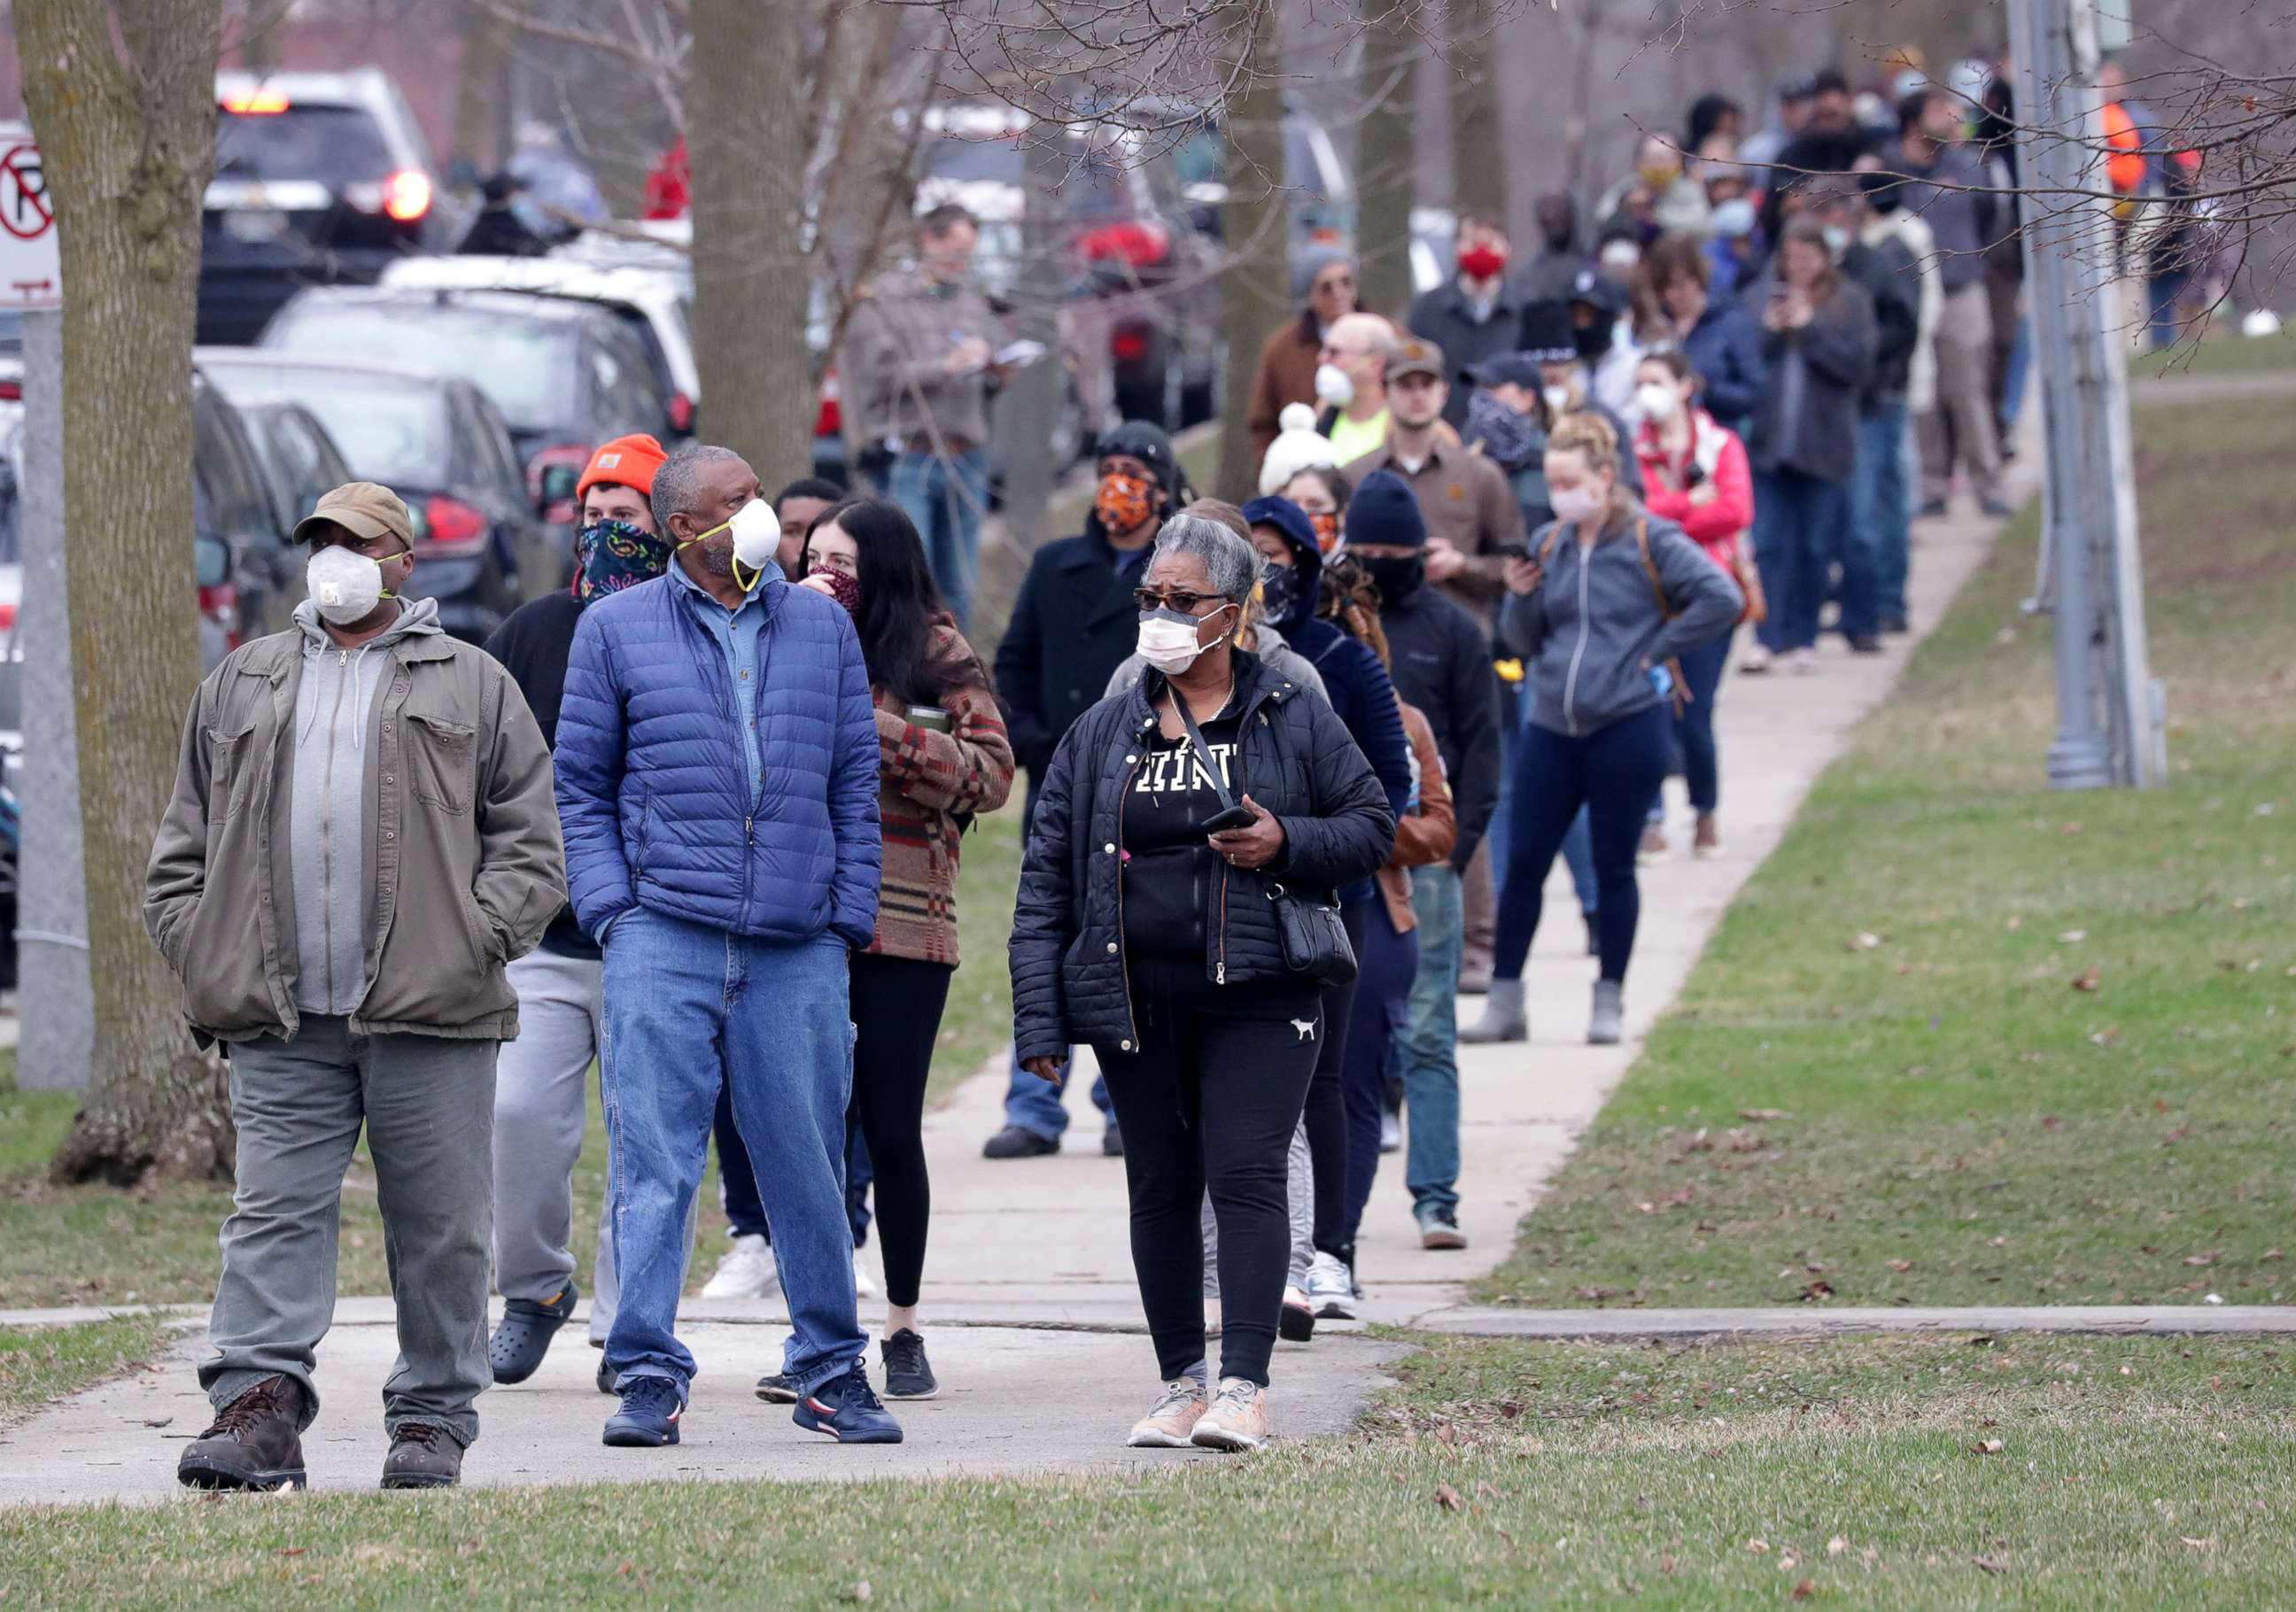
(1315, 939)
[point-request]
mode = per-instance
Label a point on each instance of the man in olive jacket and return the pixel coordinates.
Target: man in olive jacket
(362, 835)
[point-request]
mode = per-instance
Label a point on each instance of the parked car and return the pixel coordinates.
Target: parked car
(300, 460)
(566, 374)
(321, 179)
(440, 444)
(249, 590)
(1319, 196)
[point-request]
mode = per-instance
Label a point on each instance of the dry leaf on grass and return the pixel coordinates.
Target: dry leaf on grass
(1901, 1266)
(1758, 1547)
(1804, 1590)
(1761, 1114)
(1449, 1498)
(1986, 1447)
(1836, 1545)
(1989, 1563)
(2086, 980)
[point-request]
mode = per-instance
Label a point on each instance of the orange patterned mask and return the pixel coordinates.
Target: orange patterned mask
(1124, 502)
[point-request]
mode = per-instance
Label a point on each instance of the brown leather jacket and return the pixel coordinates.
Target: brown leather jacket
(461, 852)
(1427, 833)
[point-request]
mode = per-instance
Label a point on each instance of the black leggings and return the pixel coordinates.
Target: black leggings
(896, 1009)
(1208, 1101)
(1327, 1107)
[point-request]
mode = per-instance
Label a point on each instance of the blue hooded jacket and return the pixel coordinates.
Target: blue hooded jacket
(1362, 695)
(652, 794)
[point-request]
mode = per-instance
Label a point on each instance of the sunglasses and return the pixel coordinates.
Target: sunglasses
(1335, 283)
(1178, 599)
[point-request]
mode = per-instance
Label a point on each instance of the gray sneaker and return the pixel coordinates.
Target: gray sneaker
(1438, 1227)
(1609, 1023)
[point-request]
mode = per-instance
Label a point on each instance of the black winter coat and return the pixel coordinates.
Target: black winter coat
(1074, 623)
(1069, 978)
(1833, 357)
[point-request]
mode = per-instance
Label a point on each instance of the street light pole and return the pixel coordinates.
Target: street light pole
(2108, 708)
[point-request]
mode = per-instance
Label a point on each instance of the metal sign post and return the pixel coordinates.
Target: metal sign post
(58, 1003)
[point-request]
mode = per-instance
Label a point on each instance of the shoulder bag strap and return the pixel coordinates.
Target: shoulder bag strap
(1203, 751)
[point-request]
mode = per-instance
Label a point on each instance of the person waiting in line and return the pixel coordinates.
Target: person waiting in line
(943, 759)
(1441, 663)
(1715, 335)
(1285, 374)
(1819, 338)
(1351, 384)
(1695, 474)
(1263, 633)
(1477, 314)
(1362, 696)
(1073, 625)
(1507, 423)
(1185, 830)
(543, 1079)
(1321, 493)
(795, 507)
(1298, 446)
(1425, 832)
(1609, 600)
(1566, 381)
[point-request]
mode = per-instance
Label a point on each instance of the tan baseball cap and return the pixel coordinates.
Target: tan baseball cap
(364, 508)
(1415, 356)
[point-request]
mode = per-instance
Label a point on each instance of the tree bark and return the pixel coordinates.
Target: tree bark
(1255, 292)
(1387, 159)
(126, 123)
(482, 90)
(746, 133)
(1478, 168)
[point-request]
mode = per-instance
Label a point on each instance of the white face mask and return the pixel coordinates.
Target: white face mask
(1837, 241)
(756, 533)
(1333, 386)
(1558, 399)
(1576, 503)
(346, 587)
(1168, 641)
(1658, 401)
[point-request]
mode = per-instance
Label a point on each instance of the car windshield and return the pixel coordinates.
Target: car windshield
(389, 431)
(526, 365)
(336, 144)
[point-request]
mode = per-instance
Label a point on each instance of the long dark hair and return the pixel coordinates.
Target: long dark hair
(901, 604)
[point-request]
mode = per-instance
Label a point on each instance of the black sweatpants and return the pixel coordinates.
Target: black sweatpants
(1208, 1104)
(896, 1009)
(1327, 1107)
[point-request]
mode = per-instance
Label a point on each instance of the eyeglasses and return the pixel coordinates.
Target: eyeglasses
(1337, 283)
(1178, 599)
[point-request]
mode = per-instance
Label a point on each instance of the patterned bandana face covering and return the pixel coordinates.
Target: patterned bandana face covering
(612, 555)
(1124, 502)
(843, 587)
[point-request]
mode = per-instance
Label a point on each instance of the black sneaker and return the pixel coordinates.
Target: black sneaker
(522, 1337)
(1865, 643)
(1112, 1143)
(256, 1442)
(908, 1375)
(1896, 624)
(1933, 509)
(777, 1390)
(1018, 1141)
(424, 1455)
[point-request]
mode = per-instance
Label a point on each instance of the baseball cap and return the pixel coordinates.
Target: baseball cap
(1599, 292)
(1507, 369)
(1415, 356)
(363, 508)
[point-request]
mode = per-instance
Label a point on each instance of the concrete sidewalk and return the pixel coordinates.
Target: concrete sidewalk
(1028, 1298)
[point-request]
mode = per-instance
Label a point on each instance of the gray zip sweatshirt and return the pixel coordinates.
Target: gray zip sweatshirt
(334, 704)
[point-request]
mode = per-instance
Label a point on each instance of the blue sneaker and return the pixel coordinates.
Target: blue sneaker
(648, 1418)
(847, 1409)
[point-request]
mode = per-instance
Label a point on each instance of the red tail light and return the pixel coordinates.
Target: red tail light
(831, 421)
(681, 413)
(8, 616)
(454, 524)
(219, 603)
(11, 390)
(1130, 345)
(406, 195)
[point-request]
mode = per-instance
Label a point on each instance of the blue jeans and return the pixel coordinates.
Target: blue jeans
(1036, 1106)
(1378, 1016)
(1693, 732)
(1430, 1042)
(1612, 773)
(1797, 520)
(2013, 374)
(690, 1008)
(946, 498)
(745, 1213)
(1881, 503)
(2165, 290)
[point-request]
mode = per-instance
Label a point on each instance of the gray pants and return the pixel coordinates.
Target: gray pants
(541, 1105)
(1959, 430)
(428, 1105)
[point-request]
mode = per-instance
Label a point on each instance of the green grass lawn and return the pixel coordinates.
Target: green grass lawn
(2066, 1473)
(2225, 351)
(95, 1245)
(39, 1364)
(1963, 1039)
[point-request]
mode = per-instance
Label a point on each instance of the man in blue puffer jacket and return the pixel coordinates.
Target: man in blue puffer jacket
(718, 786)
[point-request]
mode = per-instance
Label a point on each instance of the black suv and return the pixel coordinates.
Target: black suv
(320, 178)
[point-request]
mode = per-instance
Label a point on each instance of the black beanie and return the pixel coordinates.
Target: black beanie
(1385, 509)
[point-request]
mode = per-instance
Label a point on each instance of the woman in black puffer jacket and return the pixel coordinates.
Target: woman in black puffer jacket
(1157, 943)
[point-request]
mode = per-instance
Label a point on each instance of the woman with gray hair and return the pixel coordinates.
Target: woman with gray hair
(1189, 837)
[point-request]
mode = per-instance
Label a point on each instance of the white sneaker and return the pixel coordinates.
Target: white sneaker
(1801, 663)
(864, 1286)
(1330, 1292)
(1390, 1132)
(746, 1271)
(1755, 661)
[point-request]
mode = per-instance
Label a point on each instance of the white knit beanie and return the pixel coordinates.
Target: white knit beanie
(1297, 447)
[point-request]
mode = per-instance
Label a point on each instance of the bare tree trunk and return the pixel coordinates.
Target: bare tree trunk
(1387, 163)
(746, 133)
(1255, 292)
(128, 126)
(482, 90)
(1479, 166)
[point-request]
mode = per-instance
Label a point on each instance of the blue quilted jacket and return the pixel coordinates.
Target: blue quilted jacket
(652, 796)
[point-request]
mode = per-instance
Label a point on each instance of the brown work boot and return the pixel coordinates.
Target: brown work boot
(255, 1444)
(424, 1455)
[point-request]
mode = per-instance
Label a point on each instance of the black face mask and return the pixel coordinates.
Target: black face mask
(1396, 580)
(1279, 592)
(1593, 340)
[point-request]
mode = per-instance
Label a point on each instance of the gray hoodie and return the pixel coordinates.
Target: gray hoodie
(1593, 629)
(334, 702)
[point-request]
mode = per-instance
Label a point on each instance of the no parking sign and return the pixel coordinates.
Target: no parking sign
(29, 275)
